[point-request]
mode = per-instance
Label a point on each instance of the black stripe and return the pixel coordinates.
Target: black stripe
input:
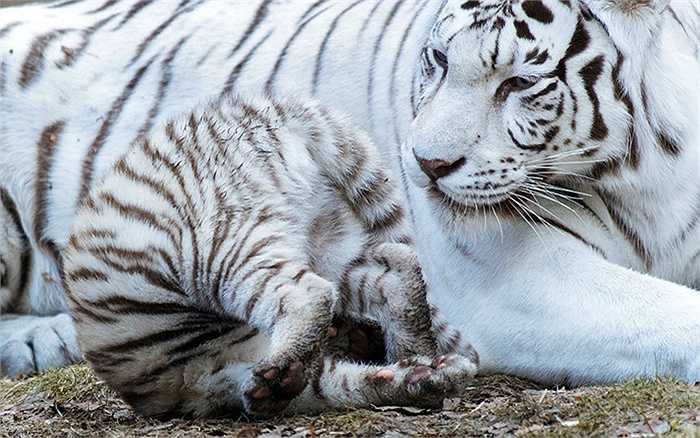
(138, 214)
(574, 234)
(200, 341)
(166, 76)
(633, 152)
(326, 39)
(72, 55)
(393, 91)
(260, 15)
(8, 28)
(579, 42)
(105, 130)
(590, 74)
(63, 4)
(151, 340)
(545, 91)
(26, 258)
(135, 9)
(141, 48)
(156, 372)
(375, 54)
(106, 5)
(121, 305)
(369, 17)
(3, 77)
(46, 148)
(538, 11)
(34, 62)
(234, 252)
(314, 6)
(236, 72)
(283, 54)
(630, 234)
(522, 30)
(202, 59)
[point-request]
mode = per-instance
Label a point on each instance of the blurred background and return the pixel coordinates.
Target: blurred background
(17, 2)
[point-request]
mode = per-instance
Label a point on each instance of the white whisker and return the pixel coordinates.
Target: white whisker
(542, 193)
(519, 209)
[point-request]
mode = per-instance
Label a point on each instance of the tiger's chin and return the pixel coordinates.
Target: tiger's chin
(469, 204)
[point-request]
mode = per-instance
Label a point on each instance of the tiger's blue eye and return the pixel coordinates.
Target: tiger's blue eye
(440, 58)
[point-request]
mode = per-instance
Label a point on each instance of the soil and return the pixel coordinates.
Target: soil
(72, 402)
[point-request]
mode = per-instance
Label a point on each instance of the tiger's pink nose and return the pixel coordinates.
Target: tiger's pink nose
(436, 169)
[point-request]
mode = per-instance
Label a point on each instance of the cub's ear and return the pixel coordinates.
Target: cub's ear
(632, 24)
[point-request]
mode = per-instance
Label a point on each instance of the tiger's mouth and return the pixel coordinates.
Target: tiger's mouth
(488, 196)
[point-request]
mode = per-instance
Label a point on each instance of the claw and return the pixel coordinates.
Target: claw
(418, 373)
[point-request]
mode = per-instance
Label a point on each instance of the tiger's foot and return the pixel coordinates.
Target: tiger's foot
(272, 387)
(33, 344)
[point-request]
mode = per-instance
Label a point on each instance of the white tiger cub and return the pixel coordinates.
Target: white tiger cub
(566, 189)
(204, 269)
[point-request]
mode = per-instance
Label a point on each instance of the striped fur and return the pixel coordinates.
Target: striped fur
(259, 221)
(169, 54)
(79, 76)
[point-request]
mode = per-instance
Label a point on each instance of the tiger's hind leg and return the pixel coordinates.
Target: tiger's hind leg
(141, 329)
(419, 381)
(385, 285)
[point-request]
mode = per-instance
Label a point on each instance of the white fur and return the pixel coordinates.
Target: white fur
(537, 302)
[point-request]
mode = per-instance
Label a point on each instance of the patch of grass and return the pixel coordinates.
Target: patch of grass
(72, 402)
(73, 384)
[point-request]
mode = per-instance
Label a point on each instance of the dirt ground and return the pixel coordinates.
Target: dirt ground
(73, 403)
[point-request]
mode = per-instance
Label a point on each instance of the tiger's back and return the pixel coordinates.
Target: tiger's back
(78, 77)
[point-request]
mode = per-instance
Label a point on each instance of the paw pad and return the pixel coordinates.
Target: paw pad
(274, 387)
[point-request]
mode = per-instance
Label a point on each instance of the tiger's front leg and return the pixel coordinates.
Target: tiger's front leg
(29, 343)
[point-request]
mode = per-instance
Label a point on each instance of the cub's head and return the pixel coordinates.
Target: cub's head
(512, 96)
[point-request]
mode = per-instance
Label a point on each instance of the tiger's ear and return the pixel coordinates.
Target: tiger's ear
(634, 10)
(632, 24)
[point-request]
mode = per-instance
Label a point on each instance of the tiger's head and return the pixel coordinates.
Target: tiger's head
(513, 96)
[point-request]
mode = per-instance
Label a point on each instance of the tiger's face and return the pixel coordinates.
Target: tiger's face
(513, 96)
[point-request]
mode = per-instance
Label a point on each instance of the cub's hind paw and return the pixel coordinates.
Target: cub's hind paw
(271, 388)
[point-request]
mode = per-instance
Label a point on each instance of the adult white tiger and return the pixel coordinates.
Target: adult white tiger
(555, 302)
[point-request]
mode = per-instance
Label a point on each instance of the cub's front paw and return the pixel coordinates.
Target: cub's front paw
(272, 386)
(31, 344)
(422, 381)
